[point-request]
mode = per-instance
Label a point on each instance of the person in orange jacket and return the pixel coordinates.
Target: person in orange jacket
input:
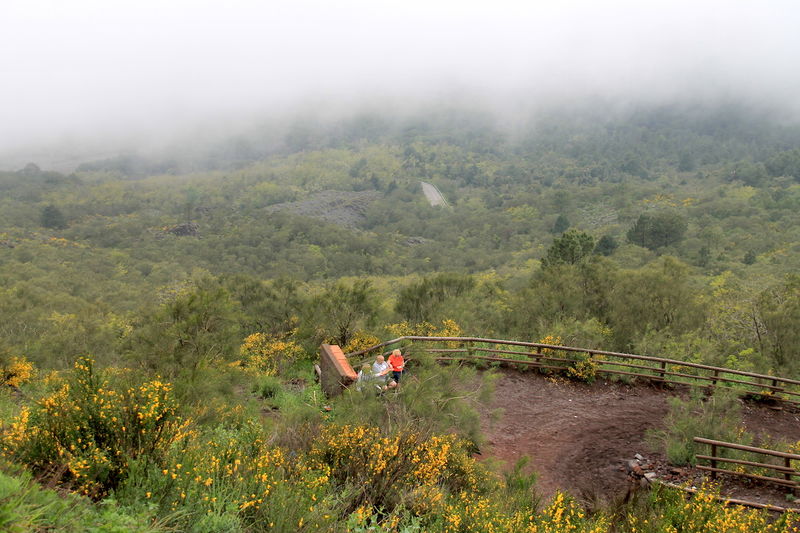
(397, 364)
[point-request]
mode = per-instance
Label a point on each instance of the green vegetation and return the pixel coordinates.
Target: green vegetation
(717, 417)
(194, 292)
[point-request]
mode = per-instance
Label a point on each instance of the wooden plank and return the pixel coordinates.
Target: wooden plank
(779, 468)
(661, 372)
(601, 370)
(487, 358)
(623, 373)
(776, 480)
(734, 501)
(656, 370)
(513, 352)
(744, 448)
(500, 360)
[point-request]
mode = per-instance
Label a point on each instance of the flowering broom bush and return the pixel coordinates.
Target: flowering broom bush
(265, 354)
(14, 371)
(389, 470)
(86, 432)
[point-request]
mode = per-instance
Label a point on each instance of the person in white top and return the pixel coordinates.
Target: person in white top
(381, 370)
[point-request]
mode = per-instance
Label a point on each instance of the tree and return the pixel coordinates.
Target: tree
(687, 162)
(192, 195)
(53, 218)
(271, 308)
(200, 326)
(704, 256)
(419, 302)
(561, 293)
(785, 164)
(561, 224)
(659, 298)
(337, 313)
(734, 321)
(657, 230)
(570, 248)
(31, 169)
(779, 310)
(606, 245)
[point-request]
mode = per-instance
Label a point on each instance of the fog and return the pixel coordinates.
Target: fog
(122, 73)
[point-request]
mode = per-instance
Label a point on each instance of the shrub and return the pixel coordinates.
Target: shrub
(717, 417)
(231, 478)
(669, 510)
(359, 341)
(87, 431)
(268, 387)
(14, 371)
(449, 328)
(387, 470)
(25, 507)
(434, 398)
(268, 355)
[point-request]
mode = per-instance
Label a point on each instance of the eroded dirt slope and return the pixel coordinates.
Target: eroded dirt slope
(579, 436)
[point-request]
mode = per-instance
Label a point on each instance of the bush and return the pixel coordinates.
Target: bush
(25, 507)
(233, 479)
(86, 432)
(360, 341)
(717, 417)
(268, 355)
(388, 470)
(268, 387)
(665, 509)
(14, 371)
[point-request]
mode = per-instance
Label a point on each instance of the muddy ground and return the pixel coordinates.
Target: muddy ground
(580, 436)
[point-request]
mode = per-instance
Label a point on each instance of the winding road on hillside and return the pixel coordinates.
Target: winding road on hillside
(579, 436)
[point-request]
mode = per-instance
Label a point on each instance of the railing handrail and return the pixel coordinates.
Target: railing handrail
(744, 448)
(687, 364)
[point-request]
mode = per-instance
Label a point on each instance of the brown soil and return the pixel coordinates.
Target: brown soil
(580, 436)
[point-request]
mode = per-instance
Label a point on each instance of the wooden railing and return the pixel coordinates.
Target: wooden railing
(785, 470)
(562, 358)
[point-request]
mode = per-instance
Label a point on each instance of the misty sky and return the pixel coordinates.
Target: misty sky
(107, 67)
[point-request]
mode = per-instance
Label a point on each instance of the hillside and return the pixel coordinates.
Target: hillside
(181, 296)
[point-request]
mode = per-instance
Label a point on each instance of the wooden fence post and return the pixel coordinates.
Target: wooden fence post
(713, 461)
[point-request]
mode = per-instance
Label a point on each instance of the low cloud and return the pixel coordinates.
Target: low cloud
(133, 70)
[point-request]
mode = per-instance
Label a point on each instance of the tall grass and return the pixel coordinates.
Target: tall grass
(715, 417)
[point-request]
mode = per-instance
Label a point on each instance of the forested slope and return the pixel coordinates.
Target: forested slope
(693, 212)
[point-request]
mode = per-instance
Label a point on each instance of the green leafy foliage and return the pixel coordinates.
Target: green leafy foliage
(570, 248)
(658, 230)
(717, 417)
(53, 218)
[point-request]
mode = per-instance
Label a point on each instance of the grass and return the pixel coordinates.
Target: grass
(715, 417)
(27, 507)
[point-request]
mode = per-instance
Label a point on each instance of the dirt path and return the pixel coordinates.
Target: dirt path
(579, 436)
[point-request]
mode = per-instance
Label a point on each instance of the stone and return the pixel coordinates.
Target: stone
(634, 469)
